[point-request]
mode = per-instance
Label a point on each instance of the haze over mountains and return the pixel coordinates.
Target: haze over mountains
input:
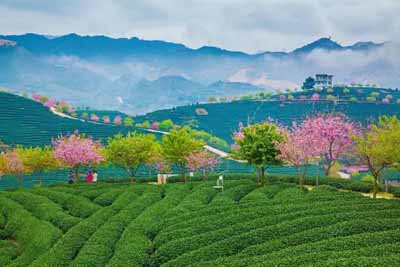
(138, 76)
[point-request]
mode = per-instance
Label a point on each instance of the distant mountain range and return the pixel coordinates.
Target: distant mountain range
(138, 76)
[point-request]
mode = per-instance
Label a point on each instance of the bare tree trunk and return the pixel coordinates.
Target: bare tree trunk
(376, 186)
(20, 179)
(76, 174)
(263, 180)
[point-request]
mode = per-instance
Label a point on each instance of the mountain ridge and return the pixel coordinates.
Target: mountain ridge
(43, 44)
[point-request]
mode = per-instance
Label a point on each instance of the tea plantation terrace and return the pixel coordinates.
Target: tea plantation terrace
(27, 122)
(180, 225)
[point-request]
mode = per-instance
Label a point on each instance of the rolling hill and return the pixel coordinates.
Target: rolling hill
(27, 122)
(221, 119)
(193, 225)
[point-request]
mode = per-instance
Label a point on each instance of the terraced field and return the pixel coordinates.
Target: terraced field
(193, 225)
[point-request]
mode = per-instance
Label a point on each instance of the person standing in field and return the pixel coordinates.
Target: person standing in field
(89, 177)
(70, 177)
(95, 176)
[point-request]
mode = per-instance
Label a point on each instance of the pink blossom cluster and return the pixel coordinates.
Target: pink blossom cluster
(77, 150)
(315, 97)
(238, 135)
(36, 97)
(329, 135)
(94, 118)
(385, 101)
(50, 103)
(322, 137)
(106, 120)
(154, 126)
(201, 161)
(118, 120)
(282, 97)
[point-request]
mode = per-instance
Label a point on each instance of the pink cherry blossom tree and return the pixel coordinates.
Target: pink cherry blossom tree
(94, 117)
(297, 150)
(76, 151)
(201, 161)
(118, 120)
(386, 101)
(315, 97)
(12, 164)
(36, 97)
(154, 126)
(330, 136)
(50, 103)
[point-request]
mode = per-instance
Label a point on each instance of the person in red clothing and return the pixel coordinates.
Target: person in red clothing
(89, 177)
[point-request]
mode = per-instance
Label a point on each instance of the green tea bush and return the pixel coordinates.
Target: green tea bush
(73, 204)
(33, 235)
(44, 209)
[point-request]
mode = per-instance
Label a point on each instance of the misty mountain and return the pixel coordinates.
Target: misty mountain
(137, 76)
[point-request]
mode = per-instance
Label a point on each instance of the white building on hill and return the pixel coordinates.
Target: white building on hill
(323, 80)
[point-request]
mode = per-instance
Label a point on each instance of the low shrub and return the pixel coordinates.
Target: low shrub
(75, 205)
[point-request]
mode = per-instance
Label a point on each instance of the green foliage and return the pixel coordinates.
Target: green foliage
(194, 225)
(166, 125)
(212, 99)
(131, 151)
(179, 144)
(330, 97)
(37, 159)
(257, 145)
(128, 122)
(379, 148)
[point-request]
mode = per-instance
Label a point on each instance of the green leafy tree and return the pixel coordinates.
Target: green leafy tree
(178, 145)
(330, 98)
(37, 160)
(212, 99)
(85, 116)
(257, 144)
(166, 125)
(128, 122)
(379, 147)
(146, 124)
(131, 151)
(309, 83)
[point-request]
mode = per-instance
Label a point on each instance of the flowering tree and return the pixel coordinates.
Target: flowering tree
(154, 126)
(330, 136)
(201, 161)
(50, 103)
(117, 120)
(94, 117)
(11, 164)
(36, 97)
(76, 151)
(297, 150)
(106, 119)
(386, 101)
(315, 97)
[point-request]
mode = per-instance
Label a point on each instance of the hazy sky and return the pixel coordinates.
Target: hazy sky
(247, 25)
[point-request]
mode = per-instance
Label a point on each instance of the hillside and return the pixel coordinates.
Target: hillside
(27, 122)
(194, 225)
(223, 118)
